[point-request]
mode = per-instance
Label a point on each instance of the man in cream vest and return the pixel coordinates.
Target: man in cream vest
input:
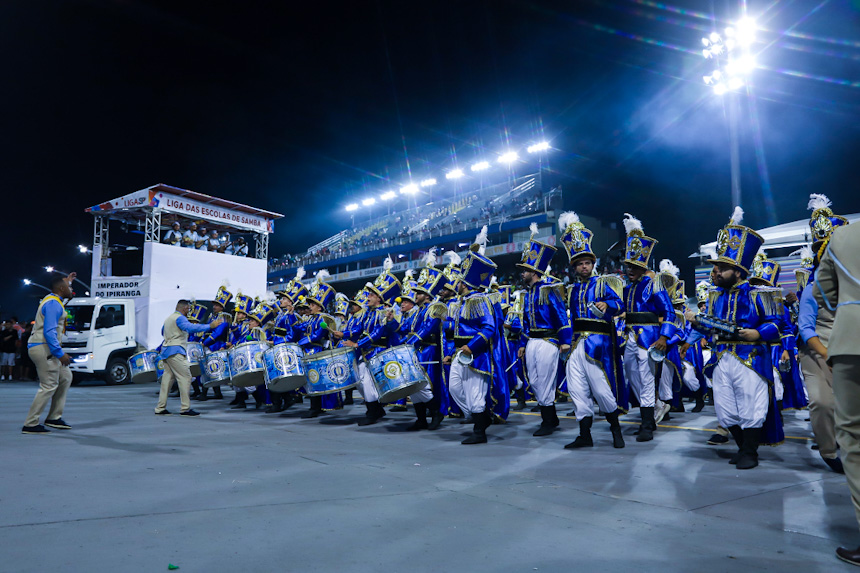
(837, 288)
(175, 331)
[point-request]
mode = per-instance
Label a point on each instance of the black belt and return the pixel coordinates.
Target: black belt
(598, 326)
(644, 318)
(279, 331)
(544, 335)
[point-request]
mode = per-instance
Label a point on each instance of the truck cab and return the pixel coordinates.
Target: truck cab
(100, 337)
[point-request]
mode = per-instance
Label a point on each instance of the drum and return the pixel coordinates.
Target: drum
(195, 353)
(284, 369)
(397, 373)
(246, 364)
(331, 371)
(216, 369)
(144, 367)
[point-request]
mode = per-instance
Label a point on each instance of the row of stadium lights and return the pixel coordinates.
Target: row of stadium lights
(730, 56)
(413, 188)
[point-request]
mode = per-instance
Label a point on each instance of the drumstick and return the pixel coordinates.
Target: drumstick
(431, 362)
(514, 363)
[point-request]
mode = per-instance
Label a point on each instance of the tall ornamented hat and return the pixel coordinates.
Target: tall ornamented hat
(341, 304)
(452, 271)
(197, 312)
(536, 255)
(504, 295)
(764, 270)
(668, 276)
(737, 245)
(639, 246)
(702, 290)
(678, 294)
(804, 274)
(295, 289)
(575, 237)
(823, 221)
(360, 298)
(244, 303)
(321, 292)
(386, 285)
(430, 280)
(409, 285)
(223, 296)
(263, 312)
(477, 269)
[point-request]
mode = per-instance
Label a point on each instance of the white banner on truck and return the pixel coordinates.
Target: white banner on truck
(192, 208)
(120, 287)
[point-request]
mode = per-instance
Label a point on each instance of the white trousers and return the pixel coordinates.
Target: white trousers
(689, 376)
(665, 378)
(706, 356)
(586, 382)
(366, 385)
(639, 372)
(423, 395)
(542, 368)
(778, 389)
(468, 388)
(740, 395)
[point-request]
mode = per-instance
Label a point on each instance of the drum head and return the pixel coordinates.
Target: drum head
(401, 392)
(287, 383)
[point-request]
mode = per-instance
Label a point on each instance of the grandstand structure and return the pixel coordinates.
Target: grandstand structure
(354, 256)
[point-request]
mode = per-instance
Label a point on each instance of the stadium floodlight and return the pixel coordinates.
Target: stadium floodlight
(388, 196)
(508, 157)
(480, 166)
(745, 31)
(720, 89)
(410, 189)
(368, 202)
(83, 250)
(28, 282)
(456, 174)
(735, 83)
(542, 146)
(428, 182)
(352, 207)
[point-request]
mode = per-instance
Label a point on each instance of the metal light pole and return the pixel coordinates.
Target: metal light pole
(28, 282)
(51, 269)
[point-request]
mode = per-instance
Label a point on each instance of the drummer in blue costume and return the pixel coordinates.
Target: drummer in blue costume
(546, 327)
(503, 376)
(353, 328)
(649, 322)
(238, 334)
(448, 296)
(671, 381)
(285, 330)
(408, 313)
(217, 339)
(742, 376)
(195, 316)
(379, 328)
(474, 327)
(594, 370)
(516, 340)
(317, 337)
(684, 353)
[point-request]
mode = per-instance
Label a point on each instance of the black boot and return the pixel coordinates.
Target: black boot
(421, 422)
(521, 399)
(399, 408)
(549, 421)
(348, 398)
(749, 451)
(216, 393)
(583, 440)
(700, 400)
(615, 428)
(436, 419)
(738, 434)
(240, 397)
(467, 419)
(375, 412)
(239, 406)
(483, 420)
(315, 409)
(277, 403)
(646, 430)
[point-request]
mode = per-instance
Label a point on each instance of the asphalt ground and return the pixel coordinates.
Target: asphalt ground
(238, 490)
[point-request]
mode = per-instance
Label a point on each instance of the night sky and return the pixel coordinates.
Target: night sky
(302, 108)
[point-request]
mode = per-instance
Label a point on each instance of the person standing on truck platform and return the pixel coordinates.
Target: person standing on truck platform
(173, 236)
(190, 237)
(175, 331)
(52, 364)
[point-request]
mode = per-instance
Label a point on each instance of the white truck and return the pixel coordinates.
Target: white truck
(133, 290)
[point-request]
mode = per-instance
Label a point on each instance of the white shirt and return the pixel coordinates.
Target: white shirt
(173, 237)
(189, 239)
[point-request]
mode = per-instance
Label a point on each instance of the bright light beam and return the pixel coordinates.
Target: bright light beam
(368, 202)
(388, 196)
(428, 182)
(352, 207)
(481, 166)
(508, 157)
(456, 174)
(542, 146)
(410, 189)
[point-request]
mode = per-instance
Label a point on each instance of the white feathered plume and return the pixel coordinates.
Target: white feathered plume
(387, 264)
(409, 274)
(737, 216)
(494, 281)
(323, 275)
(481, 240)
(710, 251)
(667, 266)
(300, 273)
(631, 223)
(567, 219)
(453, 257)
(225, 283)
(534, 229)
(429, 259)
(818, 201)
(271, 299)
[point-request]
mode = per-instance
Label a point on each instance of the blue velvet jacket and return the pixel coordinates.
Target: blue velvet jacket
(475, 327)
(315, 337)
(217, 338)
(354, 327)
(640, 297)
(544, 313)
(377, 333)
(285, 328)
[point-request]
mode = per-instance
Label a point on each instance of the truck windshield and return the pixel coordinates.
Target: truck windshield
(78, 318)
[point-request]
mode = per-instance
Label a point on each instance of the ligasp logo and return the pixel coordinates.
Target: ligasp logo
(392, 370)
(337, 371)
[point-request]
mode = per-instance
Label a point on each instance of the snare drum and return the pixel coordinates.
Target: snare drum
(284, 369)
(216, 369)
(246, 364)
(331, 371)
(144, 367)
(397, 373)
(195, 353)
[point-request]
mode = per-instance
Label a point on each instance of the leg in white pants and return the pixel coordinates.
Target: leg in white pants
(366, 386)
(666, 374)
(468, 388)
(542, 367)
(585, 380)
(639, 373)
(689, 376)
(421, 396)
(740, 395)
(777, 385)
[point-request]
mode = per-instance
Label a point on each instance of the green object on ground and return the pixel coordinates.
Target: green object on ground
(172, 567)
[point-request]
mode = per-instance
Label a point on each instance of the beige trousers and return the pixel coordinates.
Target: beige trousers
(175, 368)
(819, 383)
(846, 392)
(54, 382)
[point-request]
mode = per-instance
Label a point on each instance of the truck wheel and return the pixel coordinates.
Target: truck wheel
(76, 378)
(117, 372)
